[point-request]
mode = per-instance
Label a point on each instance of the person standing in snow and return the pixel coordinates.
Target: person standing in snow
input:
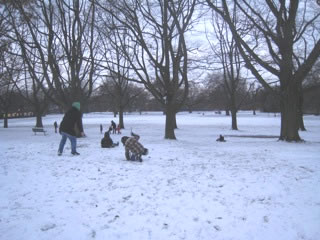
(55, 124)
(72, 118)
(133, 149)
(114, 127)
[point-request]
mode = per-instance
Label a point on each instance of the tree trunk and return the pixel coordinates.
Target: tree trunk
(121, 123)
(39, 119)
(234, 119)
(289, 108)
(301, 122)
(5, 122)
(175, 121)
(318, 110)
(300, 112)
(170, 123)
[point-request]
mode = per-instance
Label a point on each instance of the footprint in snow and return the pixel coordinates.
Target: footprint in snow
(217, 227)
(165, 226)
(114, 219)
(47, 227)
(93, 234)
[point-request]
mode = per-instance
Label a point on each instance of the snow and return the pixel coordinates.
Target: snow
(192, 188)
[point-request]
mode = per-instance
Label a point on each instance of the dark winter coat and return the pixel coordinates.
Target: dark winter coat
(106, 142)
(70, 119)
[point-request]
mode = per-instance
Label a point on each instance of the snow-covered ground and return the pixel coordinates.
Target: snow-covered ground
(193, 188)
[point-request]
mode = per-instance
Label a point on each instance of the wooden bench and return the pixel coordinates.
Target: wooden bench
(38, 129)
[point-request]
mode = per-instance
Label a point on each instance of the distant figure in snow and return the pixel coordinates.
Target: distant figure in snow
(55, 124)
(114, 126)
(72, 118)
(118, 129)
(106, 141)
(101, 128)
(220, 139)
(133, 149)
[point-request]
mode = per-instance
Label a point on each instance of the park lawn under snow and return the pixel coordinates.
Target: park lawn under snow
(193, 188)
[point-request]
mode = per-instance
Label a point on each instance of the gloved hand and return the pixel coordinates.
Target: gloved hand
(145, 151)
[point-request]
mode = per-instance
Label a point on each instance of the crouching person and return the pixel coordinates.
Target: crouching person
(106, 141)
(133, 149)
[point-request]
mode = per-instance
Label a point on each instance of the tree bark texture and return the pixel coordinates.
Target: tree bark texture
(121, 122)
(285, 31)
(234, 120)
(289, 108)
(300, 112)
(5, 122)
(170, 123)
(39, 120)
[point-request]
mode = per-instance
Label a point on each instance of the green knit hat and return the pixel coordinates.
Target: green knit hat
(76, 105)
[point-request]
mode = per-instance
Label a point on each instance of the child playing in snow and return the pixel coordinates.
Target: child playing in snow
(106, 141)
(118, 129)
(133, 149)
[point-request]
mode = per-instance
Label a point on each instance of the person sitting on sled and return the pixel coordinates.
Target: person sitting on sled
(106, 141)
(133, 149)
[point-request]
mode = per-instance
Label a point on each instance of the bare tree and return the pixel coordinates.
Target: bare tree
(114, 66)
(284, 41)
(157, 41)
(311, 96)
(119, 95)
(17, 82)
(57, 41)
(8, 70)
(30, 89)
(9, 75)
(220, 89)
(194, 98)
(227, 53)
(254, 93)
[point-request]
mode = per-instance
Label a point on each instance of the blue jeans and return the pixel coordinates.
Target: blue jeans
(72, 139)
